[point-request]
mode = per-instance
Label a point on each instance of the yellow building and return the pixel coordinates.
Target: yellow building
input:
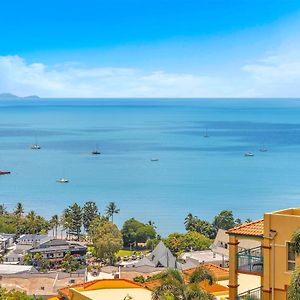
(273, 260)
(105, 289)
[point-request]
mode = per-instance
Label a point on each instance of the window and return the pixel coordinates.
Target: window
(291, 258)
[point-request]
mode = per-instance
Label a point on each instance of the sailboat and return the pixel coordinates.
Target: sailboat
(206, 134)
(263, 149)
(96, 151)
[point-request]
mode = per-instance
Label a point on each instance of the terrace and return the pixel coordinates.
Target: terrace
(250, 261)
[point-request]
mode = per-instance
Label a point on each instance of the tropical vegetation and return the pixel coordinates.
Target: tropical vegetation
(173, 285)
(16, 295)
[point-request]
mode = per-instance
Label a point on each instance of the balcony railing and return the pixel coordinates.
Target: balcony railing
(250, 260)
(254, 294)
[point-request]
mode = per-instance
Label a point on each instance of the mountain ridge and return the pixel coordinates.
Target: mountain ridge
(9, 96)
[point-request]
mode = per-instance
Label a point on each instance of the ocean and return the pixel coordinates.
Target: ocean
(197, 174)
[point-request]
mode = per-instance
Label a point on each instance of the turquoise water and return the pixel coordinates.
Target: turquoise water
(193, 174)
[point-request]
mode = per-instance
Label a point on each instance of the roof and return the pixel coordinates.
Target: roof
(202, 256)
(218, 272)
(216, 289)
(6, 269)
(161, 256)
(101, 284)
(32, 238)
(116, 294)
(56, 245)
(255, 229)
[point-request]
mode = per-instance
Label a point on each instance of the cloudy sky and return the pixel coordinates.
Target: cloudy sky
(150, 48)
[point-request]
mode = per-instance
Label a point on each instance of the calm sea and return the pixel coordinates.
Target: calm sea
(197, 174)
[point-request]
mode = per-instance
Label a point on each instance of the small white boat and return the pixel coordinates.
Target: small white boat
(62, 180)
(249, 154)
(154, 159)
(36, 147)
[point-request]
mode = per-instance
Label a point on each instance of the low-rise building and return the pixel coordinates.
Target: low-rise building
(274, 261)
(205, 257)
(55, 250)
(106, 289)
(6, 241)
(32, 239)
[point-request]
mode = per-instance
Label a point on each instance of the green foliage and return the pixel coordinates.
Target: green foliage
(90, 212)
(139, 279)
(106, 238)
(72, 219)
(295, 242)
(173, 286)
(152, 243)
(15, 295)
(19, 223)
(294, 288)
(54, 223)
(70, 264)
(179, 242)
(134, 232)
(201, 274)
(111, 210)
(224, 220)
(193, 223)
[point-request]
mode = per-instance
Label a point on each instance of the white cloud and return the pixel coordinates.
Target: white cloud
(72, 80)
(273, 76)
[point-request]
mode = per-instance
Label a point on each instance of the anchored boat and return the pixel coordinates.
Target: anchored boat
(4, 173)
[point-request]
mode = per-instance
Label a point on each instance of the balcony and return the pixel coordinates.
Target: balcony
(254, 294)
(250, 261)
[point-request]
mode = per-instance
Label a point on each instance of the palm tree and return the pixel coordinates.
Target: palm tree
(2, 209)
(295, 242)
(152, 224)
(112, 209)
(54, 222)
(190, 222)
(173, 286)
(19, 210)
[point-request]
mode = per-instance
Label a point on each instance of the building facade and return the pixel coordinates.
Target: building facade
(273, 260)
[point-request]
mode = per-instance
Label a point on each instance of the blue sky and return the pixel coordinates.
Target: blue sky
(158, 48)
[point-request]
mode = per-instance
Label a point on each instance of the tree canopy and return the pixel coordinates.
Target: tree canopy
(134, 232)
(90, 212)
(192, 240)
(106, 237)
(173, 286)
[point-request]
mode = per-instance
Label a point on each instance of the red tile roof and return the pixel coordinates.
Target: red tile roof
(65, 292)
(218, 272)
(255, 228)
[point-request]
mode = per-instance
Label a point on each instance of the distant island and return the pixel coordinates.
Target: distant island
(8, 96)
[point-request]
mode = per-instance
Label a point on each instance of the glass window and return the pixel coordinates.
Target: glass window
(291, 258)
